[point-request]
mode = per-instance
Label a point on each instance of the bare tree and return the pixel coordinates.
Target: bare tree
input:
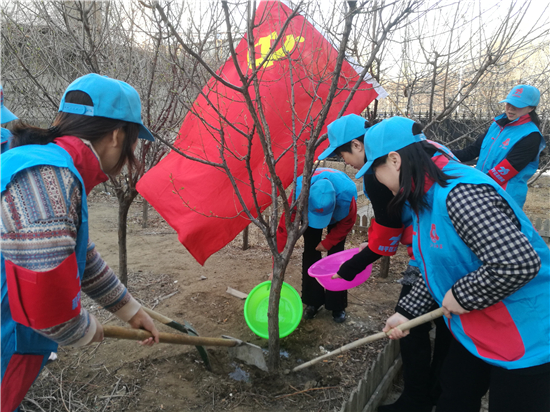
(239, 20)
(49, 44)
(461, 58)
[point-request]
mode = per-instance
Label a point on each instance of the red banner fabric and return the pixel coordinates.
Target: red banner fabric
(198, 200)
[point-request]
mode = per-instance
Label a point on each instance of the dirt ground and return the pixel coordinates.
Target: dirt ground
(121, 375)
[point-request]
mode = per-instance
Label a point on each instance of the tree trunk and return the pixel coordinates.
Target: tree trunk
(274, 357)
(245, 238)
(384, 266)
(123, 208)
(432, 91)
(145, 213)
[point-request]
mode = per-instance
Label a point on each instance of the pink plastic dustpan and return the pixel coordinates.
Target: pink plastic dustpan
(324, 269)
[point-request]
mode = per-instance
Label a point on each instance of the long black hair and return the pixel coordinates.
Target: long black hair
(535, 117)
(416, 165)
(90, 128)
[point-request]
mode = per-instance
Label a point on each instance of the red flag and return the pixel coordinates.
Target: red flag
(198, 200)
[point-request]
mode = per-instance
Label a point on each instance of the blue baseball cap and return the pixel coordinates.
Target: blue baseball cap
(321, 204)
(523, 95)
(387, 136)
(111, 98)
(5, 115)
(342, 131)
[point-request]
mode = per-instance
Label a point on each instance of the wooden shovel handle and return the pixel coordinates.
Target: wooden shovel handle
(157, 316)
(434, 314)
(404, 326)
(120, 332)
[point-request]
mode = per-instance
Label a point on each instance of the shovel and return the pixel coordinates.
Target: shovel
(247, 352)
(187, 329)
(434, 314)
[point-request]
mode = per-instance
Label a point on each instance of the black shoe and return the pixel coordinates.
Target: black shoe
(405, 404)
(339, 316)
(310, 312)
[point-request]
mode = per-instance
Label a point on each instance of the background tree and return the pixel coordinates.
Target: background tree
(228, 24)
(49, 44)
(458, 60)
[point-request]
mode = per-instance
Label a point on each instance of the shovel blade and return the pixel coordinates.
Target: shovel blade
(248, 353)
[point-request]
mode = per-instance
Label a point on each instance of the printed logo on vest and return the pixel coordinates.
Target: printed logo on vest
(497, 174)
(382, 248)
(435, 238)
(395, 240)
(503, 171)
(518, 92)
(393, 245)
(76, 301)
(504, 144)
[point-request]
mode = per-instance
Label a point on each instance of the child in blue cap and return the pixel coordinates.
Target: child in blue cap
(420, 370)
(332, 205)
(5, 117)
(509, 151)
(481, 260)
(346, 136)
(47, 259)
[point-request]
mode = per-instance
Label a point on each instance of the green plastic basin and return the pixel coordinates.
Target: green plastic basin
(257, 303)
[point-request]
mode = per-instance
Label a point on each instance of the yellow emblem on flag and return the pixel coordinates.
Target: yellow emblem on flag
(283, 51)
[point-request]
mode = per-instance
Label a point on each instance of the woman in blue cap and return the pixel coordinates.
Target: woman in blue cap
(421, 370)
(6, 117)
(509, 151)
(346, 136)
(332, 205)
(47, 258)
(481, 260)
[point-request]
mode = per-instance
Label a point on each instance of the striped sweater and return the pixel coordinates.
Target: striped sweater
(40, 212)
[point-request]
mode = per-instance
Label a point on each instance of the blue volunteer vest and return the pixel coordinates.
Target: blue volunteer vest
(497, 143)
(17, 338)
(513, 333)
(5, 139)
(407, 219)
(344, 186)
(407, 213)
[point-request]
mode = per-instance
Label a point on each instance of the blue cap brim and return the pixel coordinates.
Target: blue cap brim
(7, 116)
(515, 102)
(145, 134)
(365, 170)
(317, 221)
(5, 135)
(329, 151)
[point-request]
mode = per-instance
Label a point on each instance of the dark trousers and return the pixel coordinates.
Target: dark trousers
(313, 294)
(421, 370)
(466, 378)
